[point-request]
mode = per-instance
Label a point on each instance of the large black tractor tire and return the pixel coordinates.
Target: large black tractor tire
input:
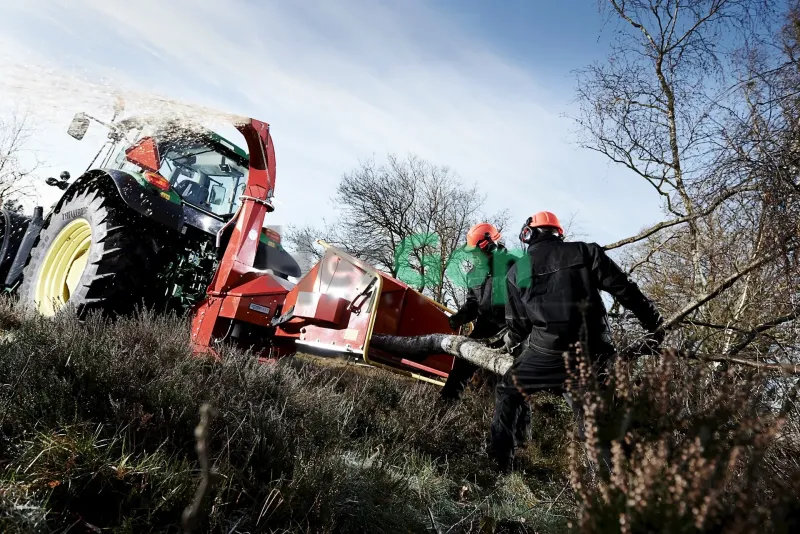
(93, 253)
(12, 230)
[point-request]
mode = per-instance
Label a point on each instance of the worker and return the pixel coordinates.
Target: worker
(553, 301)
(485, 308)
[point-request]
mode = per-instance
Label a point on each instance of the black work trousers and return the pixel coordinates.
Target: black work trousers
(457, 379)
(456, 384)
(463, 370)
(532, 372)
(460, 375)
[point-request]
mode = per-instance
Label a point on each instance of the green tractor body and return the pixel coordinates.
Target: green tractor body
(145, 226)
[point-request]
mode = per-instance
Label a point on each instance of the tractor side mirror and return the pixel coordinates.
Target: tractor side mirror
(78, 126)
(217, 195)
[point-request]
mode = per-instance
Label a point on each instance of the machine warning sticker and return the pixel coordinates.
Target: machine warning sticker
(351, 334)
(261, 309)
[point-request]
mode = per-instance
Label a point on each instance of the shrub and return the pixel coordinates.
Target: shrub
(693, 450)
(97, 430)
(97, 427)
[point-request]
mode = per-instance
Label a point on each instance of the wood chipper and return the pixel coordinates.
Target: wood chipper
(335, 308)
(173, 217)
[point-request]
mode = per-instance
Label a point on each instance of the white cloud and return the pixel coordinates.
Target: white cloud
(339, 82)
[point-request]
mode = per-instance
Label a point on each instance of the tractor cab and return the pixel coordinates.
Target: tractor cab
(170, 189)
(205, 170)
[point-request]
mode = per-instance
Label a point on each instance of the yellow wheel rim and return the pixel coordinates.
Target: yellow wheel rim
(63, 266)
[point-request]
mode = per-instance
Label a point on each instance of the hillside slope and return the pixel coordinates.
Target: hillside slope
(97, 432)
(97, 425)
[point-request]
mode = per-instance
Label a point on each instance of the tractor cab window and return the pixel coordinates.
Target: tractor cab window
(204, 173)
(203, 176)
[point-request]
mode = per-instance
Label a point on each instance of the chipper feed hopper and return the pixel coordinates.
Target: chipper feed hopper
(334, 309)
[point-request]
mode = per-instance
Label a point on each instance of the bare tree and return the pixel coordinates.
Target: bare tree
(15, 174)
(407, 217)
(679, 104)
(654, 105)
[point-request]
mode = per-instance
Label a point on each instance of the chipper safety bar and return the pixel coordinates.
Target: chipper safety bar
(335, 308)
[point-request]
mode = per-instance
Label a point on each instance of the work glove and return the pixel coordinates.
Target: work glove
(455, 321)
(511, 343)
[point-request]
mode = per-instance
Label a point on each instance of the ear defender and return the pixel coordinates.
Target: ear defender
(527, 232)
(491, 246)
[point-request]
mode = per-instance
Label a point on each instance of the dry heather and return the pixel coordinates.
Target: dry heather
(97, 434)
(97, 430)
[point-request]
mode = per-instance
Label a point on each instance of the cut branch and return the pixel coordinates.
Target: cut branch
(494, 360)
(499, 362)
(681, 220)
(719, 288)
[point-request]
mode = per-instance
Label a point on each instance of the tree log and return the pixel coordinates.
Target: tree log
(495, 360)
(498, 361)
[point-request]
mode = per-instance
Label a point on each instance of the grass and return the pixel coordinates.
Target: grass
(97, 424)
(97, 434)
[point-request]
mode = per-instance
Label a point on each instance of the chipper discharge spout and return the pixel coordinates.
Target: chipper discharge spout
(241, 295)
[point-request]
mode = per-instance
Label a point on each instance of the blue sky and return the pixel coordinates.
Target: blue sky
(479, 86)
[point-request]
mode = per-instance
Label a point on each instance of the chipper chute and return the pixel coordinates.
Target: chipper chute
(335, 309)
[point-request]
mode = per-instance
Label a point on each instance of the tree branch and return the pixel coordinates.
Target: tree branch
(719, 288)
(785, 368)
(763, 327)
(621, 12)
(681, 220)
(714, 326)
(191, 515)
(651, 253)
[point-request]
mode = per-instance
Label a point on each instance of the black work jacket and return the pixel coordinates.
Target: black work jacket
(554, 290)
(480, 306)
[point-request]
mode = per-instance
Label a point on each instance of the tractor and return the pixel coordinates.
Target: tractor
(172, 217)
(139, 228)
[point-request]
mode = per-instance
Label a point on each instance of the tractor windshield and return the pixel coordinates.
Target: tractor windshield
(206, 174)
(206, 170)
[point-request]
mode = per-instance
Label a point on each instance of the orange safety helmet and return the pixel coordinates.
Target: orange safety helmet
(477, 236)
(543, 219)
